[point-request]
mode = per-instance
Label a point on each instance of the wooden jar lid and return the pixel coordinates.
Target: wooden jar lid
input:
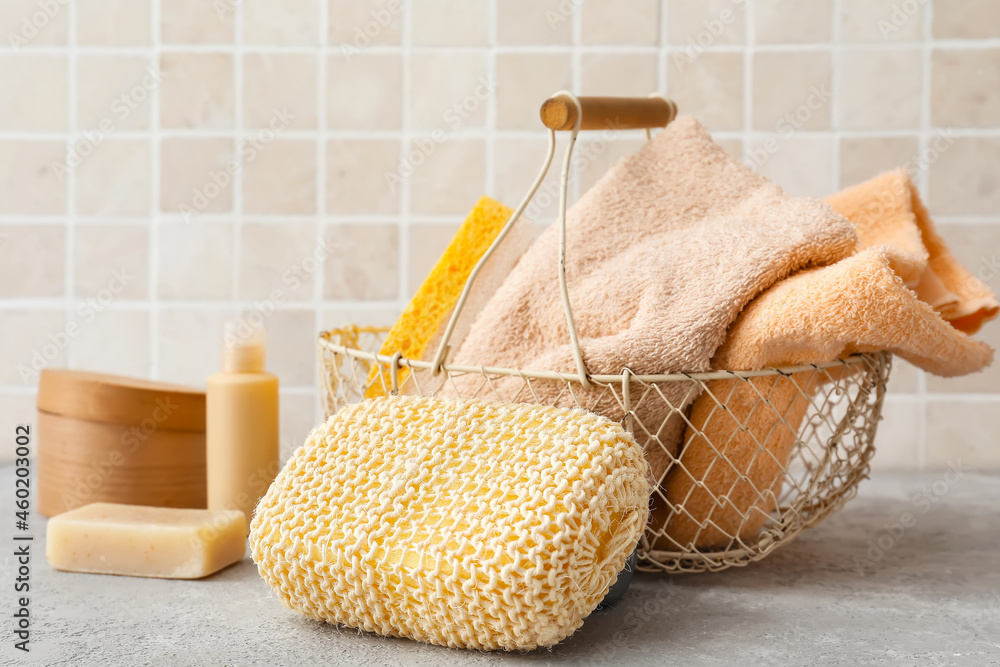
(114, 399)
(118, 439)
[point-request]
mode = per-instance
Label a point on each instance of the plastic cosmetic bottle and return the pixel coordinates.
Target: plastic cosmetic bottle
(242, 423)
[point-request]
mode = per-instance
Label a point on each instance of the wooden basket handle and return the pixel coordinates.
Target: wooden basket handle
(601, 113)
(560, 112)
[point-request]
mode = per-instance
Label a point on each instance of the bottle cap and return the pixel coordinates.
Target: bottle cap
(244, 350)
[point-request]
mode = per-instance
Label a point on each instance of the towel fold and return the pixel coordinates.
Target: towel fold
(662, 254)
(887, 210)
(903, 292)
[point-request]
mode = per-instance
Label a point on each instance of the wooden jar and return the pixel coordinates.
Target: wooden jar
(106, 438)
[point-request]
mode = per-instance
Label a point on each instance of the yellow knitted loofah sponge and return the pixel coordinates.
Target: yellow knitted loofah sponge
(432, 305)
(460, 523)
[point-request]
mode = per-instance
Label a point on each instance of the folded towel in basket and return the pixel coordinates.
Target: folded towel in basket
(662, 254)
(903, 292)
(887, 210)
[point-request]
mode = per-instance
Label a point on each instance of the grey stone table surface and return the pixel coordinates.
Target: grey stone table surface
(856, 590)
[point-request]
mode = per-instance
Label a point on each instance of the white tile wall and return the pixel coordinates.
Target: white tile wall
(213, 151)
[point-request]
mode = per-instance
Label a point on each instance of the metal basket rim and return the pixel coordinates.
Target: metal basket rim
(406, 362)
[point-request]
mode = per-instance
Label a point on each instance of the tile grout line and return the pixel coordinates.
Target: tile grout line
(405, 141)
(576, 79)
(836, 104)
(663, 76)
(460, 133)
(221, 219)
(969, 44)
(72, 94)
(964, 396)
(14, 390)
(138, 304)
(748, 50)
(238, 140)
(491, 102)
(922, 185)
(319, 278)
(153, 232)
(217, 218)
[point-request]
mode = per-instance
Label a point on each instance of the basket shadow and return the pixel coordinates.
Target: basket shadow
(948, 550)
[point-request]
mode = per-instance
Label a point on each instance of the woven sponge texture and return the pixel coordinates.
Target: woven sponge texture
(436, 298)
(461, 523)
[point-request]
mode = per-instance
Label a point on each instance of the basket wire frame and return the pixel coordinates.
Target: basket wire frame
(767, 453)
(833, 438)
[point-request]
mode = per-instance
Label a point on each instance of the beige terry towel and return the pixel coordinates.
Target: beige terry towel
(903, 292)
(662, 254)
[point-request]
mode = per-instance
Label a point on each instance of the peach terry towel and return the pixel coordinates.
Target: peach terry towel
(662, 254)
(903, 292)
(887, 210)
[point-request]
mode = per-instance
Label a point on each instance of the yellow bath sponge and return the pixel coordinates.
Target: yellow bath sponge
(432, 305)
(461, 523)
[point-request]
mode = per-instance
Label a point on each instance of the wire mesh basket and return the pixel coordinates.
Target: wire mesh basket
(831, 444)
(763, 454)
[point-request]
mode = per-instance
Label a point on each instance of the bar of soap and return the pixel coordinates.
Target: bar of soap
(139, 541)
